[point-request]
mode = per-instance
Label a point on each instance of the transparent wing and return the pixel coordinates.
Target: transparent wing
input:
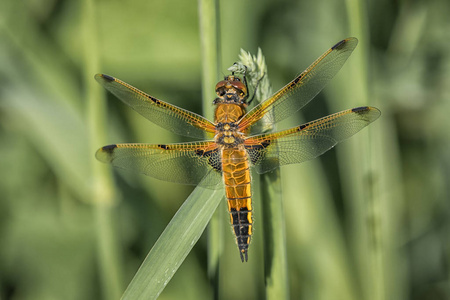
(307, 141)
(187, 163)
(170, 117)
(302, 89)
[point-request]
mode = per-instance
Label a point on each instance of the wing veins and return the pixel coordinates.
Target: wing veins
(187, 163)
(307, 141)
(168, 116)
(293, 96)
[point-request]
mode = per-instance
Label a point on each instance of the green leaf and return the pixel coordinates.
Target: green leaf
(209, 24)
(275, 250)
(174, 244)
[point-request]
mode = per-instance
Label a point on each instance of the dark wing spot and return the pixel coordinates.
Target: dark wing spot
(109, 148)
(360, 109)
(213, 158)
(339, 45)
(154, 100)
(301, 127)
(259, 146)
(165, 147)
(296, 80)
(255, 153)
(107, 77)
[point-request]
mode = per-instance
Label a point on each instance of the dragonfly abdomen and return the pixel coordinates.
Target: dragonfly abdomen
(237, 180)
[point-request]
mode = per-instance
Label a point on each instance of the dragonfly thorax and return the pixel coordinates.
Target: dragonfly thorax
(226, 119)
(228, 135)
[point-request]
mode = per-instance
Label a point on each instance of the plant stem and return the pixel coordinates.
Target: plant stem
(102, 187)
(174, 244)
(210, 48)
(275, 256)
(363, 202)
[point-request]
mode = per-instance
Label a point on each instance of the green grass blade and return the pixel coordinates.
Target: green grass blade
(275, 256)
(174, 244)
(102, 193)
(359, 180)
(209, 25)
(210, 47)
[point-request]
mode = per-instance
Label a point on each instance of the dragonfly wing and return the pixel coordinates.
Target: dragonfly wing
(171, 117)
(188, 163)
(307, 141)
(302, 89)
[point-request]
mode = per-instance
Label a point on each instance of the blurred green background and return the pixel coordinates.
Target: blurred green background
(370, 219)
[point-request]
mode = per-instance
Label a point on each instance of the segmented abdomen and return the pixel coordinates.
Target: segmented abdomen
(236, 176)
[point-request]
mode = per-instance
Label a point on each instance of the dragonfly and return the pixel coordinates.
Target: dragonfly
(231, 145)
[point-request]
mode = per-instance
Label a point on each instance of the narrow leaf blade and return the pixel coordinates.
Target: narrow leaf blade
(174, 244)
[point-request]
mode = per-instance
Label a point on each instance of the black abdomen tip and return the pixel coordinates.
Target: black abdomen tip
(244, 255)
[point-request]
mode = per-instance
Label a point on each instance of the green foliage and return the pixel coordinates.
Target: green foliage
(368, 220)
(174, 244)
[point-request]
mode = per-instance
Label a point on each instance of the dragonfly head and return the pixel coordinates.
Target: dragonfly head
(231, 90)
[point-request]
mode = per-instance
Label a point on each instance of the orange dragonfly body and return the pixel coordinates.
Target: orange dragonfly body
(236, 145)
